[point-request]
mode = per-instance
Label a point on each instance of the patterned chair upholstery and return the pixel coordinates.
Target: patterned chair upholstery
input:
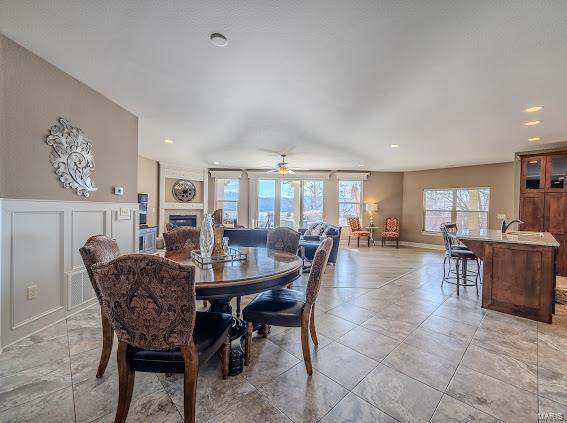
(356, 230)
(150, 301)
(283, 239)
(391, 230)
(182, 238)
(100, 249)
(290, 308)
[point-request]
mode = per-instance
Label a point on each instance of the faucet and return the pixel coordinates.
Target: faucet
(505, 225)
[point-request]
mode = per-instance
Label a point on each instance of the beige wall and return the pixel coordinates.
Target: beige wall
(34, 95)
(386, 189)
(500, 178)
(148, 182)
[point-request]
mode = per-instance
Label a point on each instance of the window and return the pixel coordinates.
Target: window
(312, 202)
(467, 207)
(266, 203)
(227, 197)
(350, 198)
(289, 203)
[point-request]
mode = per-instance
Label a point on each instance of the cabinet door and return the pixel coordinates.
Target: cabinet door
(556, 172)
(532, 206)
(556, 223)
(532, 175)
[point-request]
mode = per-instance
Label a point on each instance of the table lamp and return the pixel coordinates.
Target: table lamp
(370, 209)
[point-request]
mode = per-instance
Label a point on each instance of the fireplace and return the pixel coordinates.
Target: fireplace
(183, 220)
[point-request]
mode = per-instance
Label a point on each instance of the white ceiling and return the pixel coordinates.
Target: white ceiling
(332, 82)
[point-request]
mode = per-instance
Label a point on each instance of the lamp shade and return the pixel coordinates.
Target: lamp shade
(371, 207)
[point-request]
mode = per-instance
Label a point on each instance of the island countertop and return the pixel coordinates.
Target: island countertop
(514, 237)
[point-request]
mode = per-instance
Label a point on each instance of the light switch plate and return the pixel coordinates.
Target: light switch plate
(501, 216)
(31, 292)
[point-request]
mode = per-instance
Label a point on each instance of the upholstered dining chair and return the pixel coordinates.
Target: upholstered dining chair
(391, 230)
(283, 239)
(150, 302)
(290, 308)
(356, 230)
(182, 238)
(100, 249)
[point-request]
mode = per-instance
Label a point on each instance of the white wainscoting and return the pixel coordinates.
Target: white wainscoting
(39, 248)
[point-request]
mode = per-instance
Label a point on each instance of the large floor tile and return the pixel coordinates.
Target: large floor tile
(54, 407)
(369, 342)
(353, 409)
(343, 364)
(517, 345)
(290, 340)
(252, 408)
(504, 368)
(552, 385)
(452, 328)
(267, 361)
(493, 396)
(352, 313)
(452, 410)
(398, 395)
(437, 344)
(332, 326)
(432, 370)
(301, 397)
(551, 411)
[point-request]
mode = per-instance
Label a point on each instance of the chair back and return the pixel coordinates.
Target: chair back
(354, 223)
(149, 300)
(392, 224)
(283, 239)
(317, 269)
(449, 231)
(217, 217)
(182, 238)
(98, 249)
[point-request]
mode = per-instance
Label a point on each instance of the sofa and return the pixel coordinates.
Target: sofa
(244, 237)
(317, 231)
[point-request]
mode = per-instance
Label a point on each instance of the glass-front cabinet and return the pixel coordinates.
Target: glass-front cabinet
(533, 173)
(556, 172)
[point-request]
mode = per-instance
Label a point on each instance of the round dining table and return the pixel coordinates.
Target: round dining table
(219, 282)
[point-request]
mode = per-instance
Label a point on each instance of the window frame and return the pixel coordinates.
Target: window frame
(220, 202)
(339, 202)
(453, 210)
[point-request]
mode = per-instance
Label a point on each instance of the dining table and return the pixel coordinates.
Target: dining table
(219, 282)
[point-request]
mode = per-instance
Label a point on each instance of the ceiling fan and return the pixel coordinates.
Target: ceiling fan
(283, 167)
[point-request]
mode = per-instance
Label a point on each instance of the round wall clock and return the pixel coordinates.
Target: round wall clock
(183, 190)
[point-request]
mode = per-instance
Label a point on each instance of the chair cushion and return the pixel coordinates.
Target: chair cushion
(211, 330)
(278, 307)
(390, 234)
(361, 233)
(465, 254)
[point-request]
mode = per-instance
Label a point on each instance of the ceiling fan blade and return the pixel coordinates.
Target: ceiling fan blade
(299, 168)
(290, 171)
(272, 171)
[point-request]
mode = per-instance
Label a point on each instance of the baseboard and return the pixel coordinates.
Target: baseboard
(422, 245)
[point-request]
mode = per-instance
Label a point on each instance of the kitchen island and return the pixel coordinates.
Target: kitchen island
(518, 270)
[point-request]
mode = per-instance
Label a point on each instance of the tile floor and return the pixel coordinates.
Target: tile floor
(394, 346)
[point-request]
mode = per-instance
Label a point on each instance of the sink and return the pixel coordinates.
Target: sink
(524, 233)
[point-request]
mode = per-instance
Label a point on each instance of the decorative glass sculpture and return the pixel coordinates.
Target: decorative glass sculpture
(207, 238)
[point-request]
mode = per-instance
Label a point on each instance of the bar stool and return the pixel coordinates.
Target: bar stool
(460, 255)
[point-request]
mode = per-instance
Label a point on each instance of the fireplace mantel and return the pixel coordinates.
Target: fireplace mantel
(177, 171)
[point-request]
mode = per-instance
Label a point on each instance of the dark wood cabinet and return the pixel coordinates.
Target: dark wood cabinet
(543, 199)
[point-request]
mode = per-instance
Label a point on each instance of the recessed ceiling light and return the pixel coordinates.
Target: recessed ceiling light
(533, 109)
(216, 163)
(394, 145)
(362, 165)
(168, 141)
(218, 40)
(533, 122)
(534, 139)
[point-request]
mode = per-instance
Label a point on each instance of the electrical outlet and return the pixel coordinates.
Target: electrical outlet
(501, 216)
(118, 190)
(31, 292)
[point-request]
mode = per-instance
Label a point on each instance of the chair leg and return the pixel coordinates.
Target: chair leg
(191, 359)
(368, 239)
(382, 242)
(358, 241)
(205, 303)
(238, 304)
(305, 339)
(125, 383)
(444, 264)
(312, 330)
(348, 240)
(107, 339)
(397, 242)
(225, 356)
(457, 272)
(267, 329)
(247, 341)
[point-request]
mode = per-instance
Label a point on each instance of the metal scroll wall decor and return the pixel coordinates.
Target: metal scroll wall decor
(183, 190)
(72, 157)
